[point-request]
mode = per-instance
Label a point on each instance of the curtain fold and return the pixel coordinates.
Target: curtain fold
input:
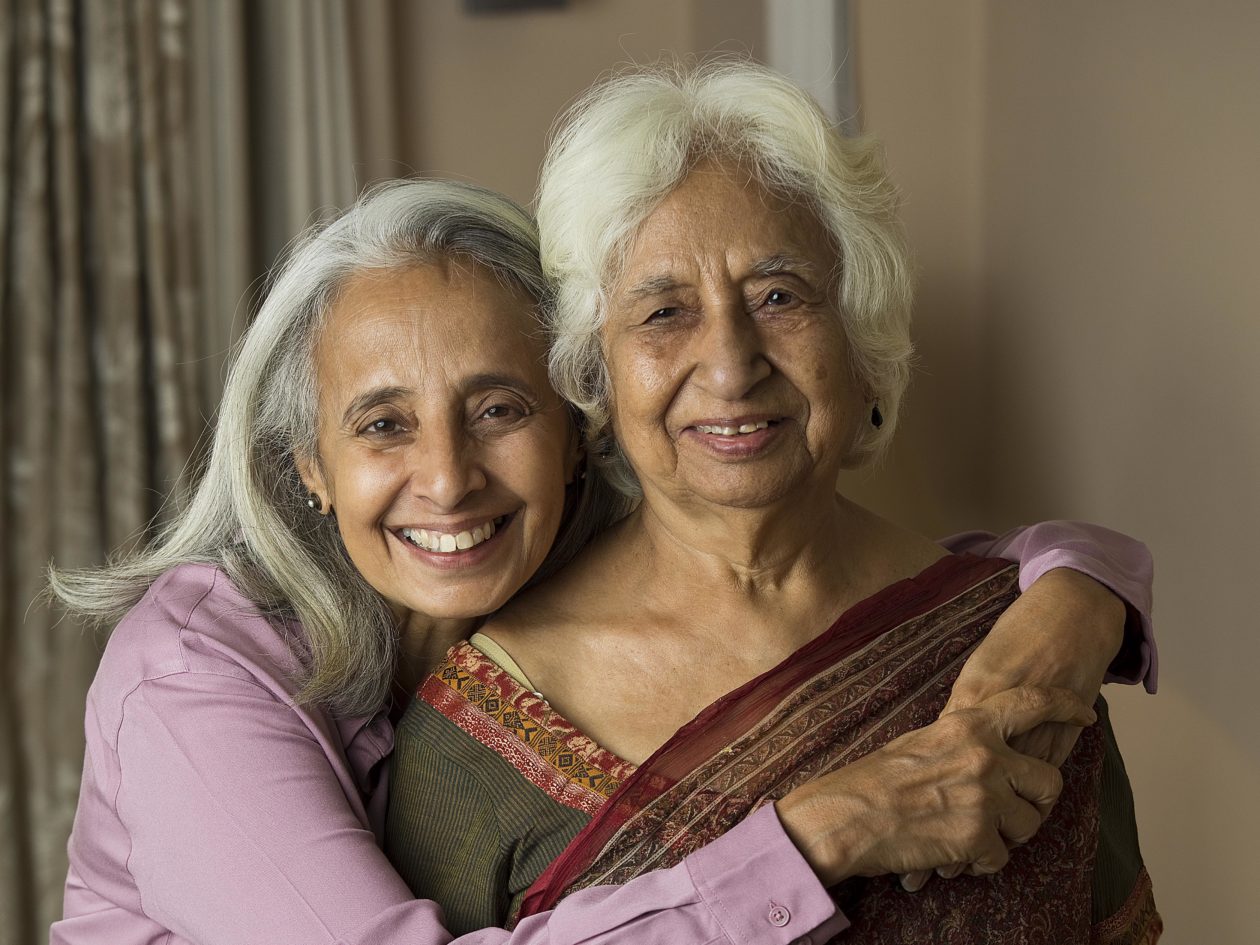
(99, 305)
(155, 156)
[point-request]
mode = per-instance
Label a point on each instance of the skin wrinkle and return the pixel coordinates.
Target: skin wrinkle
(746, 227)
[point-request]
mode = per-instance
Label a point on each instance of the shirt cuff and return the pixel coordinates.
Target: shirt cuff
(760, 889)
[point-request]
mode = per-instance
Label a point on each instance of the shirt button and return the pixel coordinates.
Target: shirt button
(778, 915)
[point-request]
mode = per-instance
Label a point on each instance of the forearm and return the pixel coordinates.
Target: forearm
(227, 806)
(1119, 563)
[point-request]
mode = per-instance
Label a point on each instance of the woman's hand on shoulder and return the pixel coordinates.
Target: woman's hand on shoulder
(952, 792)
(1062, 632)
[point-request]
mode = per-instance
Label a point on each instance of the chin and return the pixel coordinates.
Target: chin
(763, 492)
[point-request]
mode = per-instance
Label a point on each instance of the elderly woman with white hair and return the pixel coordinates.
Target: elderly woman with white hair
(732, 314)
(389, 464)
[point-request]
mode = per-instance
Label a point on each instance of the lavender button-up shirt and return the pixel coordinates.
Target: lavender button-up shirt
(215, 810)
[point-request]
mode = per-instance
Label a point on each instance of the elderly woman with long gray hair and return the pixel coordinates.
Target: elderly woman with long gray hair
(390, 464)
(731, 319)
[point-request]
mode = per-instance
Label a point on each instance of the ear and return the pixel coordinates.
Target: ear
(313, 478)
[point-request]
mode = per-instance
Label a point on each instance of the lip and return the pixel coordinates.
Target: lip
(745, 446)
(456, 560)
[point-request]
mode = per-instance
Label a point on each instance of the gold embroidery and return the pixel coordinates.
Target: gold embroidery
(556, 748)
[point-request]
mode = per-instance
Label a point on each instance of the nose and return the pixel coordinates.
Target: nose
(730, 352)
(445, 467)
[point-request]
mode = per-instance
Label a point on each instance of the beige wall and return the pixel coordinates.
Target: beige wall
(1106, 327)
(484, 89)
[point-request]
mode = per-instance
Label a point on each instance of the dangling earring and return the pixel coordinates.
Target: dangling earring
(314, 503)
(877, 418)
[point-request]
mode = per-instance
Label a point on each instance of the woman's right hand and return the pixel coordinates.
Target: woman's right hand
(951, 792)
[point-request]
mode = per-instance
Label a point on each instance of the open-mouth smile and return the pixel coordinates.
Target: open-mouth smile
(437, 541)
(742, 429)
(736, 437)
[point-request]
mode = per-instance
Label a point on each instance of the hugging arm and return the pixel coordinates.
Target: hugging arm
(239, 832)
(1084, 615)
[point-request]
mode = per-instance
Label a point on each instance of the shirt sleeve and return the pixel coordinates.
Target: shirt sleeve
(241, 833)
(1117, 561)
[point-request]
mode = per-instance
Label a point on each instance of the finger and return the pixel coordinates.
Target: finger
(1019, 710)
(913, 882)
(949, 872)
(991, 856)
(1021, 822)
(1037, 782)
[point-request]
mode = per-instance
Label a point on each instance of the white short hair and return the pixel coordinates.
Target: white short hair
(630, 140)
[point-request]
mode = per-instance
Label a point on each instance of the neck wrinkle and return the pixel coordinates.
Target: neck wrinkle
(757, 551)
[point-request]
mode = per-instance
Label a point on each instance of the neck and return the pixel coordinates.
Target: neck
(758, 553)
(422, 643)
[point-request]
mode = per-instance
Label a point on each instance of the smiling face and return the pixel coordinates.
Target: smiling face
(730, 376)
(443, 450)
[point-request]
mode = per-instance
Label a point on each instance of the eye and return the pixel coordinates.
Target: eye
(381, 428)
(779, 298)
(502, 412)
(662, 314)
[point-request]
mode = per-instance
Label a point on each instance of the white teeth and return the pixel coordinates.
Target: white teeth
(447, 543)
(733, 431)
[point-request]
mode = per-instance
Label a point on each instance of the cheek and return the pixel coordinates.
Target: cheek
(534, 466)
(645, 380)
(363, 490)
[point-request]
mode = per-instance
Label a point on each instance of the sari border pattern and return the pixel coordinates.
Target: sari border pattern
(1137, 922)
(479, 697)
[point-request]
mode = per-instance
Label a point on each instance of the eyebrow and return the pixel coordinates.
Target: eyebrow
(766, 266)
(656, 285)
(784, 262)
(510, 381)
(381, 395)
(371, 398)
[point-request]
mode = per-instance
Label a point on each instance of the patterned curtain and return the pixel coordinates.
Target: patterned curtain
(99, 321)
(155, 155)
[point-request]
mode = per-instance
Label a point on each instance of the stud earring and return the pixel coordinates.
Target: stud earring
(314, 503)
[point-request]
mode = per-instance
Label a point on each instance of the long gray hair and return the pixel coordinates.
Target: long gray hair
(248, 514)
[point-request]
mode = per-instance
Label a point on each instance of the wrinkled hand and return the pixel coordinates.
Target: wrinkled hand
(1064, 631)
(951, 792)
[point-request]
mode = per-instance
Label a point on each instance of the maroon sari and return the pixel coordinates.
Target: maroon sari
(884, 668)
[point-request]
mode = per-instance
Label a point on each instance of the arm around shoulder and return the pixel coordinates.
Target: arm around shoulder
(1121, 564)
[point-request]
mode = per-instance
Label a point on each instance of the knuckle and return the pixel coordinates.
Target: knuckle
(980, 761)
